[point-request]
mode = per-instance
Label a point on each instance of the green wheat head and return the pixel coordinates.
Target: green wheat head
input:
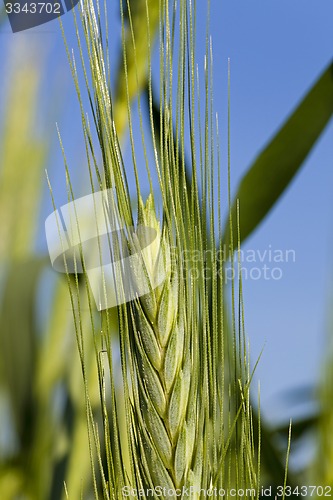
(178, 416)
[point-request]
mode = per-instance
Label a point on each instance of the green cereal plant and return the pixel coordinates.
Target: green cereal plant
(177, 419)
(178, 416)
(166, 376)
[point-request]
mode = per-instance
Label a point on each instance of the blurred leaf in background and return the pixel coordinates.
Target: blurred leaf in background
(278, 163)
(23, 157)
(43, 422)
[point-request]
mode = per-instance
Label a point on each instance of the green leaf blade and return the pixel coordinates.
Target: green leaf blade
(279, 162)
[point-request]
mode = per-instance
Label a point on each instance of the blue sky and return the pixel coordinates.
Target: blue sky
(277, 50)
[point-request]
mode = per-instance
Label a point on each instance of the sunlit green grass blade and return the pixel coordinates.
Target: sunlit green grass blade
(23, 156)
(279, 162)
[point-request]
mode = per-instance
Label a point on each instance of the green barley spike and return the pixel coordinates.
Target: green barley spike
(164, 371)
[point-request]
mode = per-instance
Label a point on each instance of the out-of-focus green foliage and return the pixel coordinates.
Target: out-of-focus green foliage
(33, 365)
(23, 157)
(22, 160)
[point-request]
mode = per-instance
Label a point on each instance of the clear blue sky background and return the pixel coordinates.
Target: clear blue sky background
(277, 49)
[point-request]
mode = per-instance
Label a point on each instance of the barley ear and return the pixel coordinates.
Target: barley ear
(164, 365)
